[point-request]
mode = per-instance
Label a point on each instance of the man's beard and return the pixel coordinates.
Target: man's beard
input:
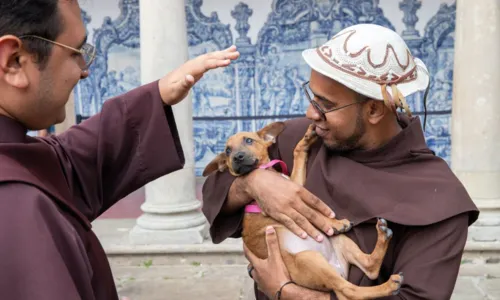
(352, 142)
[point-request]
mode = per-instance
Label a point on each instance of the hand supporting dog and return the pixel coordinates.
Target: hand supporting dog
(289, 203)
(271, 273)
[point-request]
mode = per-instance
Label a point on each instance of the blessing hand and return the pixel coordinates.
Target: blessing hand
(175, 86)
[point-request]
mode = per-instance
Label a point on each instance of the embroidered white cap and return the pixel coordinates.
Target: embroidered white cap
(373, 61)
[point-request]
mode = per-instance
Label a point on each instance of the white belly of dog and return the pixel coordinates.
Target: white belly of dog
(295, 244)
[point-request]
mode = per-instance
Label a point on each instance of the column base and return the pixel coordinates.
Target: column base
(170, 224)
(487, 227)
(194, 235)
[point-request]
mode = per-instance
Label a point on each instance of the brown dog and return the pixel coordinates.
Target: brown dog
(318, 266)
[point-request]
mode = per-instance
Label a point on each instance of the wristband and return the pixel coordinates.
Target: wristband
(278, 293)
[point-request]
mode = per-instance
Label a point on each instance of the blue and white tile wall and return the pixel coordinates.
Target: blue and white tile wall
(264, 84)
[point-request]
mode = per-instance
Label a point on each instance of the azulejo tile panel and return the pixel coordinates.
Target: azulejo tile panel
(264, 85)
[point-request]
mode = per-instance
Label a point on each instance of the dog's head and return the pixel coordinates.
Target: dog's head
(245, 151)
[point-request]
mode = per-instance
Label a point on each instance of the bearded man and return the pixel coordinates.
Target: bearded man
(371, 162)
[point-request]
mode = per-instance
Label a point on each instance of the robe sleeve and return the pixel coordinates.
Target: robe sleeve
(42, 256)
(132, 141)
(215, 192)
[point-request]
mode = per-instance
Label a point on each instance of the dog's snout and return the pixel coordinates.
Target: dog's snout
(238, 157)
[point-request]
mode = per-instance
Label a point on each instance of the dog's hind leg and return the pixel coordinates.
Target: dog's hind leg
(369, 263)
(310, 269)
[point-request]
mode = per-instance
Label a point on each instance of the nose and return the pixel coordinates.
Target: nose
(312, 113)
(239, 157)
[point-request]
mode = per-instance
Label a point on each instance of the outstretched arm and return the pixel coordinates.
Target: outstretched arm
(132, 141)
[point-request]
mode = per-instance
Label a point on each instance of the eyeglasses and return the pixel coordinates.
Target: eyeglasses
(310, 96)
(87, 51)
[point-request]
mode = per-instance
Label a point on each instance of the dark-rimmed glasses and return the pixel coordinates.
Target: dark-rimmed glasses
(310, 96)
(87, 51)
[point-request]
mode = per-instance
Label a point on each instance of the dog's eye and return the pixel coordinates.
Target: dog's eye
(249, 141)
(228, 151)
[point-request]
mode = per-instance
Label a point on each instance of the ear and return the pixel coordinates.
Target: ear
(271, 131)
(12, 58)
(376, 111)
(218, 163)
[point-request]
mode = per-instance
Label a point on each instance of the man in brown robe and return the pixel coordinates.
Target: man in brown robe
(51, 189)
(370, 162)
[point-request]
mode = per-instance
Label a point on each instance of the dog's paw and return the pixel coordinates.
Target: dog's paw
(341, 226)
(383, 230)
(395, 282)
(310, 133)
(310, 136)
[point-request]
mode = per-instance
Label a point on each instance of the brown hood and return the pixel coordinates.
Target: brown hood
(403, 181)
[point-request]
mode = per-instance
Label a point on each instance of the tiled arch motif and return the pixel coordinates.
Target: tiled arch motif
(250, 94)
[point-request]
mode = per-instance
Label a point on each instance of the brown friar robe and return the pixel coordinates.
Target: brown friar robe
(52, 188)
(426, 206)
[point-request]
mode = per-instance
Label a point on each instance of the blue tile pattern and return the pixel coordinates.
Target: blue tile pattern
(264, 84)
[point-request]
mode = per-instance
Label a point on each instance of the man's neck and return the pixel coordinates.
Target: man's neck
(382, 135)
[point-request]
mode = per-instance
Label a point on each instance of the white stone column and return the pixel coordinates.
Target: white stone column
(171, 211)
(476, 112)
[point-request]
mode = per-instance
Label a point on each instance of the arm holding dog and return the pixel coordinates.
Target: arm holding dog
(271, 273)
(285, 201)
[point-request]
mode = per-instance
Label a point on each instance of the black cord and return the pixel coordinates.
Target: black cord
(278, 293)
(425, 103)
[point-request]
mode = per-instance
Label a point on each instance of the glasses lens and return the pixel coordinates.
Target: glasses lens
(88, 53)
(310, 97)
(309, 93)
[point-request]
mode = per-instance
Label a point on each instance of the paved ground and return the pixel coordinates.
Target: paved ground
(211, 272)
(224, 278)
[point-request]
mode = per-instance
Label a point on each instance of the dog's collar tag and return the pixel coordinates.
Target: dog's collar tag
(253, 207)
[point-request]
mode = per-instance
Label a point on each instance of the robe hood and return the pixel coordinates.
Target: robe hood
(31, 161)
(402, 181)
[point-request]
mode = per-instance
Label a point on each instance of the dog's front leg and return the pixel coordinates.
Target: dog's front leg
(300, 156)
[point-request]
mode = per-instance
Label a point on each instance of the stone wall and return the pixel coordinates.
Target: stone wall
(264, 84)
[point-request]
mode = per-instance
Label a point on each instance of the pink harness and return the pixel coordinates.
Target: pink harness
(253, 207)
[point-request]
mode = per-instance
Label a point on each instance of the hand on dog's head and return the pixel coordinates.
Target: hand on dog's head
(245, 151)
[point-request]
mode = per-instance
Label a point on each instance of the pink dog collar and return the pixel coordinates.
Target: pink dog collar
(273, 162)
(253, 207)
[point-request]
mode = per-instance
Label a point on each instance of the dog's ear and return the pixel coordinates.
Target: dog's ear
(218, 163)
(271, 131)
